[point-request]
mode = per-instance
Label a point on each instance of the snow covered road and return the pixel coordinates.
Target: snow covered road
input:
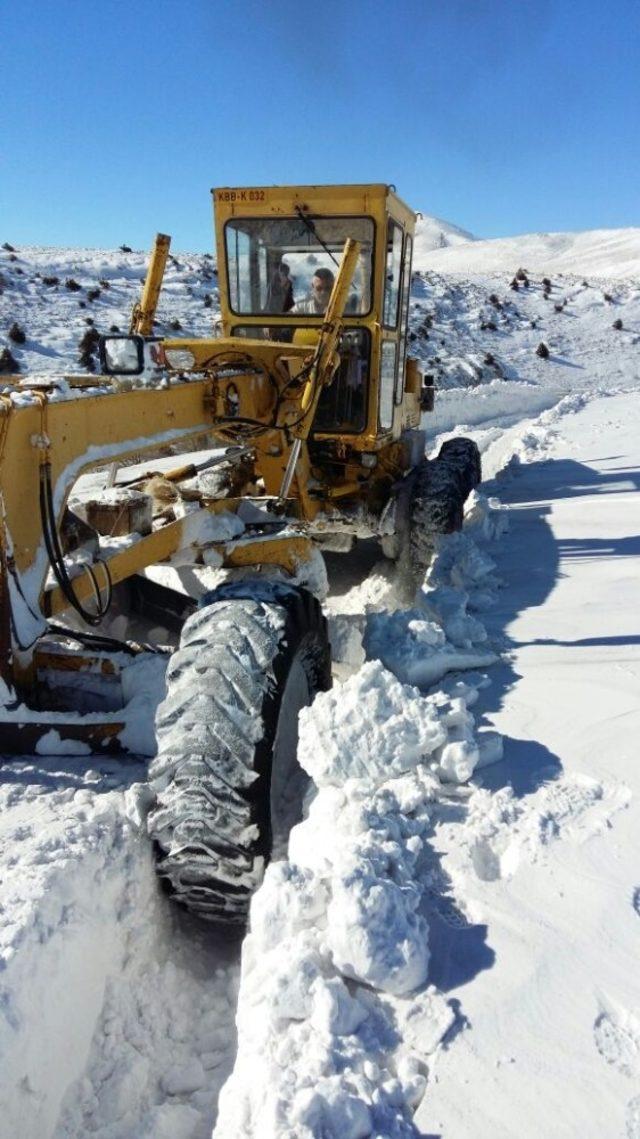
(550, 868)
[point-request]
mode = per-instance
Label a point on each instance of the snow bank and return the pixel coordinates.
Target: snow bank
(87, 941)
(58, 942)
(335, 1021)
(440, 635)
(318, 1051)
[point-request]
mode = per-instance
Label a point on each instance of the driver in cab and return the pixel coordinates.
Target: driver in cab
(316, 303)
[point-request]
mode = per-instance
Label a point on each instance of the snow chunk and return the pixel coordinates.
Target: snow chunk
(371, 727)
(51, 743)
(374, 933)
(417, 650)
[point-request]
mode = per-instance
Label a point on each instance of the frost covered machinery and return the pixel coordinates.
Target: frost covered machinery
(295, 427)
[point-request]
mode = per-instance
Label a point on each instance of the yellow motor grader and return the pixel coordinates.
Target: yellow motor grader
(295, 427)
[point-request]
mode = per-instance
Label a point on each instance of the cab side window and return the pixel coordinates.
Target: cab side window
(393, 269)
(406, 292)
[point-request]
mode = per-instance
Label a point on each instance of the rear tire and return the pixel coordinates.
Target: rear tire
(440, 489)
(226, 775)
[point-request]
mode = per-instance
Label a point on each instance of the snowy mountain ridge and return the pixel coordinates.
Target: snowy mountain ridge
(599, 252)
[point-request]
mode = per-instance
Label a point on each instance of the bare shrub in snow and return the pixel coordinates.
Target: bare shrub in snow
(617, 324)
(9, 248)
(72, 285)
(50, 281)
(93, 294)
(16, 334)
(542, 351)
(125, 249)
(8, 362)
(88, 348)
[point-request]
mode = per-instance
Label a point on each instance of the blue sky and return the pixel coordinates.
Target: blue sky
(118, 116)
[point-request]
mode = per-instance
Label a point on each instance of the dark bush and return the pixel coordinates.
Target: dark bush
(542, 351)
(50, 280)
(72, 285)
(16, 334)
(208, 300)
(125, 249)
(86, 360)
(88, 320)
(9, 248)
(546, 281)
(175, 325)
(515, 285)
(617, 324)
(488, 325)
(608, 297)
(93, 294)
(8, 362)
(89, 341)
(104, 284)
(560, 307)
(114, 328)
(88, 348)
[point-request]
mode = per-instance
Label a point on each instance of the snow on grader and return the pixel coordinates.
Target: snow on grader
(295, 428)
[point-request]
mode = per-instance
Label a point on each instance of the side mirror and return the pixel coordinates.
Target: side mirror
(427, 395)
(122, 355)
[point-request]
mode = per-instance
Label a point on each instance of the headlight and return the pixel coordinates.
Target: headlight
(179, 358)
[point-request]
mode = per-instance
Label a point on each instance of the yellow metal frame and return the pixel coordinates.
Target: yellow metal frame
(46, 428)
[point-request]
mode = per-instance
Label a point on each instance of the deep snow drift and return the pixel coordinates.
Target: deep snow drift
(450, 947)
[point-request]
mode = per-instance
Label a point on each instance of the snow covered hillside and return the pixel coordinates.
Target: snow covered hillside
(433, 234)
(450, 948)
(599, 253)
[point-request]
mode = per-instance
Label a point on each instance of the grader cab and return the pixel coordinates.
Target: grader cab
(296, 427)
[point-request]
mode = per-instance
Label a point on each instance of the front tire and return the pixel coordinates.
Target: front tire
(226, 776)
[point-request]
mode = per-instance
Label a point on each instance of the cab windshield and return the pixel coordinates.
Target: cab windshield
(280, 265)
